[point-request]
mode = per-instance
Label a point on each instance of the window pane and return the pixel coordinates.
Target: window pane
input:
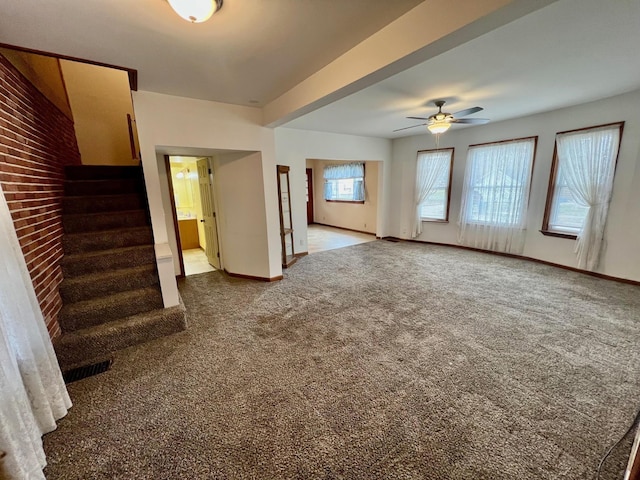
(498, 182)
(436, 162)
(345, 189)
(435, 205)
(584, 158)
(567, 214)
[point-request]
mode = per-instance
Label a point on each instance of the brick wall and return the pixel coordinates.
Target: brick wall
(36, 141)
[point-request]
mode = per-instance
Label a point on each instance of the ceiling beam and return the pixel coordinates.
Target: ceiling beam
(429, 29)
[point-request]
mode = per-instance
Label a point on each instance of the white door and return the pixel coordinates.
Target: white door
(208, 213)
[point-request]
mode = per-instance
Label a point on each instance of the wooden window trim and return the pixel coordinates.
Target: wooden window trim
(446, 218)
(554, 173)
(511, 140)
(360, 202)
(554, 233)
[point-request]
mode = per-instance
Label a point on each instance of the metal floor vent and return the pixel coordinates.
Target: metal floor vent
(392, 239)
(79, 373)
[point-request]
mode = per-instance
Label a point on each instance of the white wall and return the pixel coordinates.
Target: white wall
(100, 100)
(621, 255)
(177, 125)
(242, 225)
(355, 216)
(294, 147)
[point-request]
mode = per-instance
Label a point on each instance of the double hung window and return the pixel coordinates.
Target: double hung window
(580, 188)
(344, 183)
(433, 183)
(584, 160)
(496, 194)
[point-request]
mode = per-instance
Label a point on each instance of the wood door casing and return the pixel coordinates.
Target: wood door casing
(309, 191)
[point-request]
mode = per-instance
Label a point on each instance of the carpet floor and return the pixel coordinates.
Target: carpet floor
(377, 361)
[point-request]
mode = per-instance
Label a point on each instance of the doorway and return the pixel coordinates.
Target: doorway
(194, 213)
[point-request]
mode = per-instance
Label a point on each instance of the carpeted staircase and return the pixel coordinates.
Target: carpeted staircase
(111, 293)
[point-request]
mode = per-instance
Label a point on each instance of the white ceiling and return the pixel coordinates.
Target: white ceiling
(249, 53)
(570, 52)
(253, 51)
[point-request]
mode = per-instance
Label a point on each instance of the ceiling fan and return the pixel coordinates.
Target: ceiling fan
(441, 121)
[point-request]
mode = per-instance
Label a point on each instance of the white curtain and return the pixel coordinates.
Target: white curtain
(495, 196)
(344, 170)
(32, 392)
(587, 163)
(431, 166)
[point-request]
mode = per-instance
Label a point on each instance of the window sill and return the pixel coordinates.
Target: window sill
(345, 201)
(434, 220)
(551, 233)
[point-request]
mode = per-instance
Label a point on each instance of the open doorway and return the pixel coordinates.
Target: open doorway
(194, 213)
(342, 203)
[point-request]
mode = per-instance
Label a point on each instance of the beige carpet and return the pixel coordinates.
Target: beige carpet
(377, 361)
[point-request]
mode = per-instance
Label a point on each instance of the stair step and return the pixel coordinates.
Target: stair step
(105, 260)
(91, 222)
(94, 285)
(89, 313)
(102, 203)
(102, 187)
(106, 239)
(101, 172)
(83, 346)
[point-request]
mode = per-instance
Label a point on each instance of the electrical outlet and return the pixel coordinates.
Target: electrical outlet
(301, 242)
(365, 225)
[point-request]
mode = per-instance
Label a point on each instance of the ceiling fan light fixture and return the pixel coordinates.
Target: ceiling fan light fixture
(195, 11)
(438, 127)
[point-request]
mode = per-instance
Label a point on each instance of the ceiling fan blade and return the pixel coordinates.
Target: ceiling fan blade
(412, 126)
(468, 111)
(418, 118)
(477, 121)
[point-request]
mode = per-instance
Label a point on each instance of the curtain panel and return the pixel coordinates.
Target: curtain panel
(587, 163)
(431, 166)
(32, 392)
(495, 196)
(347, 170)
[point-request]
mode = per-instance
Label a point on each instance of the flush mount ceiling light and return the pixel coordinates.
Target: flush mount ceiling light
(195, 11)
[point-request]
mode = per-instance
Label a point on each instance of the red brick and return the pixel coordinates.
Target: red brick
(36, 142)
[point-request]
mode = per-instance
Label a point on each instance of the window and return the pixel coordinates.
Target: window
(344, 183)
(496, 193)
(497, 182)
(433, 179)
(582, 169)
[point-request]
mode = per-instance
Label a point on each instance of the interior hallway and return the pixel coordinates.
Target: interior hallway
(322, 237)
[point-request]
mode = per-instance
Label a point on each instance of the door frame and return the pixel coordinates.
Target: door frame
(174, 211)
(174, 215)
(309, 172)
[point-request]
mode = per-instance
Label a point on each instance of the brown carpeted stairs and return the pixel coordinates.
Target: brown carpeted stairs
(111, 294)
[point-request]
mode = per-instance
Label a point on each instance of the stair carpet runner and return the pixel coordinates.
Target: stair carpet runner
(110, 293)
